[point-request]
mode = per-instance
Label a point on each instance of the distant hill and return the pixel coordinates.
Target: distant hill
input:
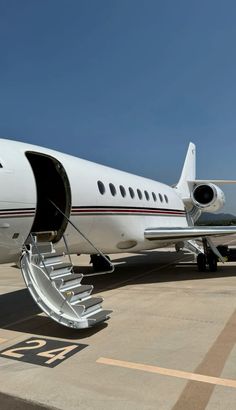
(216, 219)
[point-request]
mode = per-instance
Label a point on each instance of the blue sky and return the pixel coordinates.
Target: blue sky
(126, 83)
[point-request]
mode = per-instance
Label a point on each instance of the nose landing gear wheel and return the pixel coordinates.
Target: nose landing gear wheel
(99, 263)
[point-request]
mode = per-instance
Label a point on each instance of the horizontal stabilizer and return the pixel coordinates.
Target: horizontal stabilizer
(176, 234)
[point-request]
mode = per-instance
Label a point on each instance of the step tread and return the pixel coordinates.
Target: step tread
(59, 276)
(99, 316)
(44, 243)
(54, 255)
(81, 289)
(90, 302)
(70, 281)
(42, 248)
(60, 266)
(72, 277)
(45, 236)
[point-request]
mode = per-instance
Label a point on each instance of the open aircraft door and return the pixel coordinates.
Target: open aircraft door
(53, 187)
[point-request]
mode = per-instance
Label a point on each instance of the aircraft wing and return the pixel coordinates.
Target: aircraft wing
(175, 234)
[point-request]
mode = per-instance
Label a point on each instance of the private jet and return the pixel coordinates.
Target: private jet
(53, 205)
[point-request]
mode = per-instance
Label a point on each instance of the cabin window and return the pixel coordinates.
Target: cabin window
(139, 194)
(166, 198)
(154, 196)
(161, 197)
(112, 189)
(131, 192)
(146, 195)
(122, 191)
(101, 187)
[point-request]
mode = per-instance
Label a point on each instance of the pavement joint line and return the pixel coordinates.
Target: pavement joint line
(233, 240)
(156, 269)
(168, 372)
(17, 321)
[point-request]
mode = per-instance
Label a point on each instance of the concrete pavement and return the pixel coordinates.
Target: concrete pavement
(168, 318)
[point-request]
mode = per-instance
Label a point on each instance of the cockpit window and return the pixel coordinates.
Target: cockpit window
(1, 165)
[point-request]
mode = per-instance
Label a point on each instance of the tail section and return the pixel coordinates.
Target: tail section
(188, 172)
(199, 195)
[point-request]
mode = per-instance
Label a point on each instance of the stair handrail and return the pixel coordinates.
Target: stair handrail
(67, 248)
(88, 240)
(38, 252)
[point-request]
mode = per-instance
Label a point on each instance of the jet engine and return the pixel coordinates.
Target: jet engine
(208, 197)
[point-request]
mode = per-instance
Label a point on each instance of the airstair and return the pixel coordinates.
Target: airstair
(55, 287)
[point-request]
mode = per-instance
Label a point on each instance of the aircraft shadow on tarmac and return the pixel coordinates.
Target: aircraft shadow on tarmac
(19, 312)
(148, 268)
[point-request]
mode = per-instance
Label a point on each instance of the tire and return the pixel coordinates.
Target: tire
(212, 262)
(99, 263)
(201, 262)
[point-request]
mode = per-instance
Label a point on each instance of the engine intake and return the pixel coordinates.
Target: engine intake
(208, 197)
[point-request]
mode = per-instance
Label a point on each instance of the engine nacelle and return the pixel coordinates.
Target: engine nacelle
(208, 197)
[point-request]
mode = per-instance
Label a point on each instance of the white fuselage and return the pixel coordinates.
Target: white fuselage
(113, 223)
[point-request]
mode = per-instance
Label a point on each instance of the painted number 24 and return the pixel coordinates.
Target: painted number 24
(52, 355)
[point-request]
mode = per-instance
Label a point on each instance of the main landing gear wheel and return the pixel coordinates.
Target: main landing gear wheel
(201, 262)
(212, 262)
(99, 263)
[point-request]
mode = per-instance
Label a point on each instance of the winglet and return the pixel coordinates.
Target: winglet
(188, 172)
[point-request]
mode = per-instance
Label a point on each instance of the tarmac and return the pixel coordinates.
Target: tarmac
(169, 344)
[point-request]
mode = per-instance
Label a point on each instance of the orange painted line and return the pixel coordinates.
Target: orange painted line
(169, 372)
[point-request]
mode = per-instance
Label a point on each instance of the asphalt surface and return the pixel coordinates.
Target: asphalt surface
(169, 345)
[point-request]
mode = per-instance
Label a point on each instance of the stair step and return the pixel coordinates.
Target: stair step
(85, 307)
(71, 282)
(60, 270)
(42, 247)
(59, 293)
(59, 266)
(53, 258)
(45, 236)
(54, 275)
(99, 317)
(78, 293)
(88, 303)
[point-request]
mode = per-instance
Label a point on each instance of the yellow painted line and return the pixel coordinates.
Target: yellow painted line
(2, 340)
(169, 372)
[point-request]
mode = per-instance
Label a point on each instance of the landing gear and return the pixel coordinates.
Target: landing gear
(212, 262)
(207, 258)
(99, 263)
(201, 262)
